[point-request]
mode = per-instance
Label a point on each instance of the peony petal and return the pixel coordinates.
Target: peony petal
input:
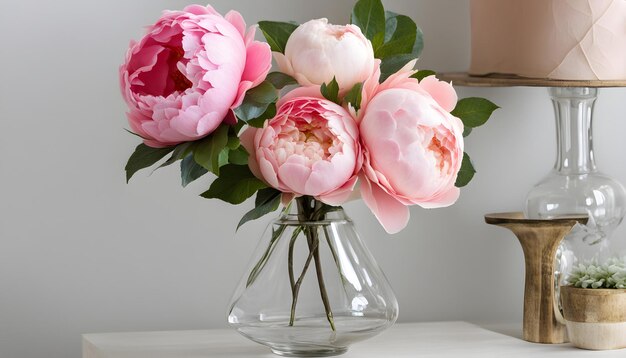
(283, 63)
(341, 195)
(294, 174)
(409, 67)
(208, 123)
(135, 119)
(200, 10)
(249, 37)
(440, 91)
(237, 21)
(186, 122)
(443, 200)
(216, 100)
(258, 63)
(267, 171)
(392, 215)
(225, 79)
(231, 118)
(311, 92)
(241, 94)
(286, 198)
(370, 87)
(326, 176)
(221, 50)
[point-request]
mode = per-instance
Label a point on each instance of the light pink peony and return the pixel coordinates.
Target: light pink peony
(184, 77)
(311, 147)
(412, 147)
(318, 51)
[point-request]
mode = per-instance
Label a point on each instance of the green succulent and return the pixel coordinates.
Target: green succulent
(610, 274)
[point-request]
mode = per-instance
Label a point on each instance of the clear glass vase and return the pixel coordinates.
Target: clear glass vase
(575, 186)
(312, 287)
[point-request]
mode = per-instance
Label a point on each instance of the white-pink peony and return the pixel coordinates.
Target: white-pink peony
(318, 51)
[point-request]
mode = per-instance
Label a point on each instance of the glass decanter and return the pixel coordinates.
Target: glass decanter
(575, 186)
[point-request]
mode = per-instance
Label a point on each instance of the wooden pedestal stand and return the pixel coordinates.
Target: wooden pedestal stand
(540, 240)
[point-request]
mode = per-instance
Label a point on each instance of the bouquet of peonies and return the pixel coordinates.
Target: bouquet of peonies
(344, 115)
(345, 109)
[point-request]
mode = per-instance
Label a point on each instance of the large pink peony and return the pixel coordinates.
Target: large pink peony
(189, 71)
(311, 147)
(412, 147)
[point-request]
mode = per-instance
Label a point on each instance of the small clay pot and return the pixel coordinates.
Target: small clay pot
(595, 318)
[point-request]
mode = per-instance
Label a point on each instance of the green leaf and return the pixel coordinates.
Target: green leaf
(393, 64)
(331, 91)
(256, 101)
(354, 96)
(144, 157)
(467, 131)
(474, 111)
(280, 80)
(190, 170)
(207, 151)
(403, 32)
(369, 15)
(418, 46)
(236, 129)
(223, 159)
(238, 156)
(420, 75)
(390, 26)
(235, 184)
(277, 33)
(265, 92)
(135, 134)
(180, 152)
(267, 200)
(266, 195)
(258, 122)
(378, 40)
(466, 173)
(233, 142)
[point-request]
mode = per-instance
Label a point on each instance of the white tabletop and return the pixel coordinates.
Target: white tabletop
(438, 339)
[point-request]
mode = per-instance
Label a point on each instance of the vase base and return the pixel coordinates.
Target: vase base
(310, 353)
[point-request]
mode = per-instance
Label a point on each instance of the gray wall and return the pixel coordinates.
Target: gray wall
(81, 251)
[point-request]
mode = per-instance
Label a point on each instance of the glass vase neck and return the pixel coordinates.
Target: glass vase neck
(307, 209)
(573, 108)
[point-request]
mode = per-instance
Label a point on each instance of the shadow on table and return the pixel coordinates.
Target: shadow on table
(508, 329)
(243, 351)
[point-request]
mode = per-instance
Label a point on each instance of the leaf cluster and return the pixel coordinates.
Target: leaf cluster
(221, 153)
(396, 38)
(610, 274)
(473, 112)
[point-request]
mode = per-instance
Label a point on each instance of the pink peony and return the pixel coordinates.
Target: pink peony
(318, 51)
(189, 71)
(412, 147)
(311, 147)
